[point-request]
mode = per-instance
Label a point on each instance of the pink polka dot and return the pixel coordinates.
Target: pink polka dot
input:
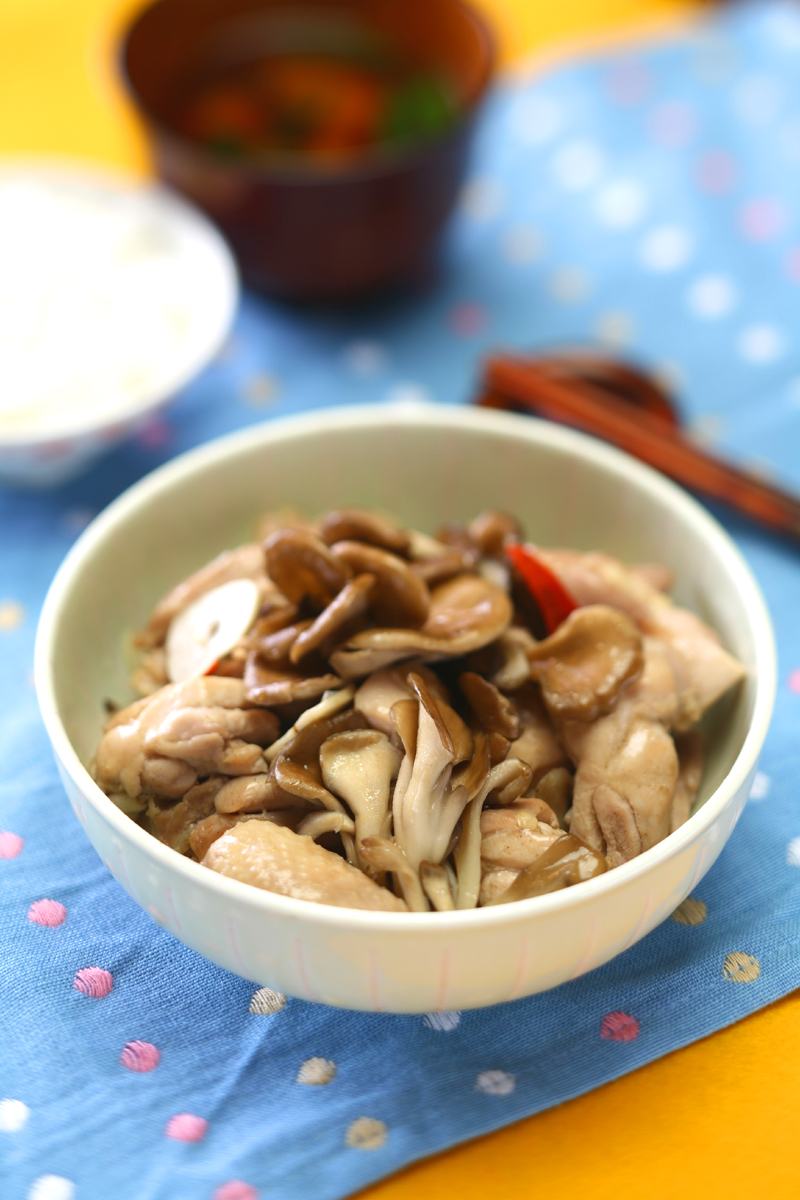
(10, 844)
(629, 83)
(761, 220)
(794, 681)
(155, 434)
(94, 982)
(467, 320)
(185, 1127)
(793, 264)
(235, 1190)
(47, 912)
(140, 1056)
(716, 172)
(673, 124)
(619, 1027)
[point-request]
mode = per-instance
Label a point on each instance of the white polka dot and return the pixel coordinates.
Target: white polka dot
(364, 358)
(665, 249)
(316, 1072)
(793, 852)
(13, 1115)
(670, 375)
(366, 1133)
(51, 1187)
(522, 244)
(757, 99)
(620, 204)
(482, 199)
(760, 344)
(495, 1083)
(711, 296)
(409, 395)
(535, 119)
(705, 429)
(266, 1001)
(782, 26)
(569, 285)
(11, 615)
(614, 328)
(442, 1022)
(578, 166)
(760, 786)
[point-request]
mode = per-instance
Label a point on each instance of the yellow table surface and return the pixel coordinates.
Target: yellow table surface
(713, 1119)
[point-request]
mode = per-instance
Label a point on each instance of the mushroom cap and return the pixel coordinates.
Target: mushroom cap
(454, 734)
(382, 689)
(489, 531)
(494, 712)
(363, 525)
(465, 614)
(269, 685)
(398, 597)
(297, 768)
(338, 621)
(472, 774)
(303, 568)
(359, 765)
(565, 862)
(442, 568)
(583, 665)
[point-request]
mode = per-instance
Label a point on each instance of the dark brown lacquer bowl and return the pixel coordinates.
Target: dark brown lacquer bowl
(301, 231)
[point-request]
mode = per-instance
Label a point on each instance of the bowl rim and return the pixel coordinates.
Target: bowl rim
(370, 165)
(74, 170)
(318, 422)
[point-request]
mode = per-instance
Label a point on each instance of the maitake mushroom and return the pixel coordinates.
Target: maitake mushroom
(361, 715)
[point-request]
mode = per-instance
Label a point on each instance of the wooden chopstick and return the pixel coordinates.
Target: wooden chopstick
(518, 383)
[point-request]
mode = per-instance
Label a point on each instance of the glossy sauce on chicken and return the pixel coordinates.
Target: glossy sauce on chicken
(357, 714)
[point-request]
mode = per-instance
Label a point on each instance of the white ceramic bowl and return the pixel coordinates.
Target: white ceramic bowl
(115, 294)
(426, 465)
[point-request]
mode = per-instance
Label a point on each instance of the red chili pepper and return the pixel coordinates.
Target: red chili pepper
(553, 599)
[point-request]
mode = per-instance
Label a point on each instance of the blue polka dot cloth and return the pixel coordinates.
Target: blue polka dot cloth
(647, 199)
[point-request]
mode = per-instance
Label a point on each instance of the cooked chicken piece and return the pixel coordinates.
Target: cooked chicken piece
(494, 883)
(245, 562)
(278, 860)
(514, 837)
(161, 745)
(627, 765)
(206, 832)
(703, 669)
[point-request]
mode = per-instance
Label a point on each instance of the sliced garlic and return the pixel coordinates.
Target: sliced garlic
(209, 628)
